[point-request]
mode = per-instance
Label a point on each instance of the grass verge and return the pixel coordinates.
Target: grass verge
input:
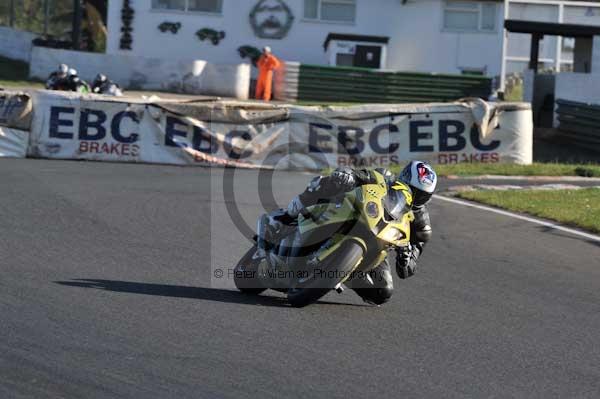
(535, 169)
(580, 208)
(16, 74)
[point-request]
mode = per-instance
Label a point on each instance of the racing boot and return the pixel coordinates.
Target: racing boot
(375, 287)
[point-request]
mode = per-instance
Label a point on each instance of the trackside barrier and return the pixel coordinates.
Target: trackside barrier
(15, 110)
(13, 142)
(15, 123)
(71, 126)
(15, 44)
(580, 122)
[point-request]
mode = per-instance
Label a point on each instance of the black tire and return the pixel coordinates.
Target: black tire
(245, 274)
(342, 261)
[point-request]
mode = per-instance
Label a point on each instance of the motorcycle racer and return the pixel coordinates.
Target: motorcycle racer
(58, 79)
(75, 83)
(377, 286)
(103, 85)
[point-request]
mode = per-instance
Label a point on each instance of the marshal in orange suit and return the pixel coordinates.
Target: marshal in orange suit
(266, 64)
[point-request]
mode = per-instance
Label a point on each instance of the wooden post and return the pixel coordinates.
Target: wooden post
(76, 33)
(46, 16)
(11, 14)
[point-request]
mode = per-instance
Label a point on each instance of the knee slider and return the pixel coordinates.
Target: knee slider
(386, 293)
(382, 295)
(376, 296)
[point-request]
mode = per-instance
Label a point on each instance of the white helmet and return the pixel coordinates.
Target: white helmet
(267, 49)
(63, 69)
(100, 78)
(72, 72)
(422, 179)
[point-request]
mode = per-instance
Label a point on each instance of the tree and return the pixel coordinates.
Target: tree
(54, 19)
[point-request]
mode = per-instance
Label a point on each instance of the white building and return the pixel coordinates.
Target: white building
(156, 44)
(444, 36)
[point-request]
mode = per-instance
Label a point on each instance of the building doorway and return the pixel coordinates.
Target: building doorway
(367, 56)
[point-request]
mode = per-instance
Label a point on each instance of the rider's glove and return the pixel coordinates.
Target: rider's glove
(295, 207)
(344, 178)
(406, 261)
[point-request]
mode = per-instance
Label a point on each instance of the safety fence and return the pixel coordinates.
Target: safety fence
(59, 125)
(580, 122)
(303, 82)
(16, 44)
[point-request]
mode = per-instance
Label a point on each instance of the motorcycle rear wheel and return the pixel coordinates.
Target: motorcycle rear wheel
(246, 274)
(341, 262)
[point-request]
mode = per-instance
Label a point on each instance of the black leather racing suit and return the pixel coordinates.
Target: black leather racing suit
(57, 82)
(379, 290)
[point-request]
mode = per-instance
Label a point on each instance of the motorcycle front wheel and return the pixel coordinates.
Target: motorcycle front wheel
(246, 274)
(337, 265)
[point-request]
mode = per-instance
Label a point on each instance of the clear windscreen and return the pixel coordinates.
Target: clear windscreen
(395, 204)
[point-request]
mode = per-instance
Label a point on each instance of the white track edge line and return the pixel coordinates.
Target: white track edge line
(552, 225)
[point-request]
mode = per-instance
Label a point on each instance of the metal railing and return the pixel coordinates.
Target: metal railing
(45, 17)
(580, 122)
(315, 83)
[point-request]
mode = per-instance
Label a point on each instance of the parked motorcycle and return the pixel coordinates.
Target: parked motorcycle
(329, 244)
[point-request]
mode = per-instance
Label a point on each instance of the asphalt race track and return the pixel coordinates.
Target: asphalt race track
(106, 292)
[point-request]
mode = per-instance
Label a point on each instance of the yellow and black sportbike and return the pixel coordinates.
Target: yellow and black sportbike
(330, 243)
